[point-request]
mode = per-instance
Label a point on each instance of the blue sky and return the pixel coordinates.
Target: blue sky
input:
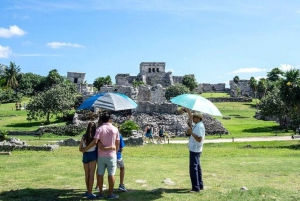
(214, 40)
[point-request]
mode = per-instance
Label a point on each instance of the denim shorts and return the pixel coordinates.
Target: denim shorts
(120, 163)
(89, 156)
(109, 163)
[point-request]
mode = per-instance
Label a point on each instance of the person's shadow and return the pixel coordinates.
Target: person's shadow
(47, 194)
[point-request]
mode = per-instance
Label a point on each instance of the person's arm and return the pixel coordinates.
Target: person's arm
(189, 113)
(197, 138)
(117, 143)
(93, 143)
(80, 145)
(101, 147)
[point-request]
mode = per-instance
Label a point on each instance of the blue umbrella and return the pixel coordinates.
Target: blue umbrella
(110, 101)
(197, 103)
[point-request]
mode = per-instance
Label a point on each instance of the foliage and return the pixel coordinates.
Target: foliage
(53, 78)
(11, 73)
(275, 74)
(87, 115)
(54, 101)
(8, 95)
(137, 83)
(236, 79)
(127, 127)
(175, 90)
(253, 85)
(273, 106)
(101, 81)
(3, 135)
(69, 130)
(190, 82)
(29, 82)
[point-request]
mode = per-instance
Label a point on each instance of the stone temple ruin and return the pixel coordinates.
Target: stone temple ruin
(79, 79)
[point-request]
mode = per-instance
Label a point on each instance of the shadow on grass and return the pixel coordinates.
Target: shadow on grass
(293, 147)
(263, 129)
(234, 115)
(31, 124)
(241, 117)
(45, 194)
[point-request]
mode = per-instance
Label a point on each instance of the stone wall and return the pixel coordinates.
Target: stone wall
(76, 77)
(15, 144)
(231, 99)
(205, 87)
(154, 94)
(242, 88)
(150, 107)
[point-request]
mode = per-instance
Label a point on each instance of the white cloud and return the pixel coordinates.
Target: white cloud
(286, 67)
(5, 52)
(56, 45)
(248, 70)
(12, 31)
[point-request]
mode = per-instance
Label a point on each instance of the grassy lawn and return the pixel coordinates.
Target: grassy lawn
(270, 171)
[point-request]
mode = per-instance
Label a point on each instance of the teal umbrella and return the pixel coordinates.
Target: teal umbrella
(197, 103)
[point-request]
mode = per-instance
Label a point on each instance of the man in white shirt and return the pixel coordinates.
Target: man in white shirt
(195, 145)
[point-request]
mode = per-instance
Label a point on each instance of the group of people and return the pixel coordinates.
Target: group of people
(102, 147)
(149, 131)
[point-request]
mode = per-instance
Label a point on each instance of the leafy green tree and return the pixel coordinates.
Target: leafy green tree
(53, 78)
(57, 100)
(29, 82)
(272, 105)
(11, 73)
(236, 79)
(190, 82)
(101, 81)
(175, 90)
(262, 87)
(275, 74)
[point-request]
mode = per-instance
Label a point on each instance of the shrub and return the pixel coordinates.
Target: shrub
(3, 135)
(68, 130)
(127, 127)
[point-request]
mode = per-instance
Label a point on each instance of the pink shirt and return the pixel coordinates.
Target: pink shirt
(107, 134)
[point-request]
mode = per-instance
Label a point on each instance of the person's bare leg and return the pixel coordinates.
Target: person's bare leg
(86, 173)
(111, 183)
(92, 167)
(100, 180)
(122, 174)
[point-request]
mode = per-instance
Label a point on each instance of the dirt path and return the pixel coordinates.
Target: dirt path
(250, 139)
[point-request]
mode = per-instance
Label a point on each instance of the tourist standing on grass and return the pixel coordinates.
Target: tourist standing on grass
(161, 135)
(120, 164)
(89, 158)
(107, 136)
(195, 145)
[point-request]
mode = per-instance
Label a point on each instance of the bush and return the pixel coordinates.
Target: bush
(3, 135)
(127, 127)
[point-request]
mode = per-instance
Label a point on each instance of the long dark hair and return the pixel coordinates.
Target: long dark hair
(88, 137)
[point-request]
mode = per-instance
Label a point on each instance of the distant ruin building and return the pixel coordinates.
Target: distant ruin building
(242, 88)
(79, 79)
(205, 87)
(151, 73)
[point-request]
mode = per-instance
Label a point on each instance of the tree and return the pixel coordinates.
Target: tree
(176, 90)
(253, 85)
(53, 78)
(190, 82)
(236, 79)
(262, 87)
(274, 75)
(29, 82)
(272, 105)
(11, 73)
(59, 99)
(101, 81)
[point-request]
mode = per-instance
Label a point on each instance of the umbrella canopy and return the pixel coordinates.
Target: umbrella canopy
(197, 103)
(110, 101)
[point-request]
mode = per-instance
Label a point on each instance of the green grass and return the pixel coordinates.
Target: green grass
(270, 170)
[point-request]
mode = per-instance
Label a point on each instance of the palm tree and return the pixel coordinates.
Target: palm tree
(236, 79)
(11, 74)
(253, 85)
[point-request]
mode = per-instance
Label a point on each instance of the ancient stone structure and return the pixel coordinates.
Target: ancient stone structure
(205, 87)
(242, 88)
(151, 73)
(79, 79)
(16, 144)
(69, 142)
